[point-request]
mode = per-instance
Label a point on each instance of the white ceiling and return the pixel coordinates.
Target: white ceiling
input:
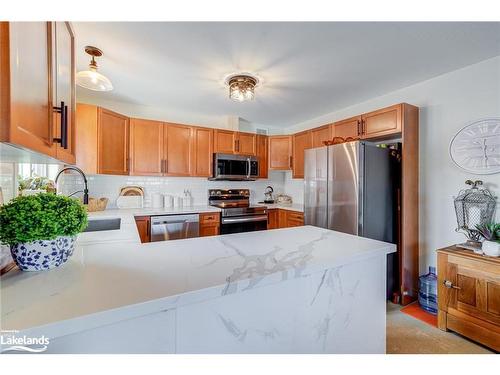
(308, 69)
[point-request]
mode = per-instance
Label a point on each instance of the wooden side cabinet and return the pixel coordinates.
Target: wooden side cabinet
(469, 295)
(209, 224)
(262, 151)
(143, 225)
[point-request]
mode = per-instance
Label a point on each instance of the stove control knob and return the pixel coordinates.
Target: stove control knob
(218, 192)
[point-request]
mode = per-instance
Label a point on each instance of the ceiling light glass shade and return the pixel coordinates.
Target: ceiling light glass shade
(242, 87)
(92, 80)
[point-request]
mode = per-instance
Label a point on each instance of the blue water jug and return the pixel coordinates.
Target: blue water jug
(427, 295)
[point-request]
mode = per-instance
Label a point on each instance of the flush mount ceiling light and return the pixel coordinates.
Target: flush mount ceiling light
(91, 79)
(241, 86)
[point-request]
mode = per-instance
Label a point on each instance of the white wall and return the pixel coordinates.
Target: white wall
(447, 103)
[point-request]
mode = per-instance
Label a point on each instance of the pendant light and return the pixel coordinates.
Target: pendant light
(91, 79)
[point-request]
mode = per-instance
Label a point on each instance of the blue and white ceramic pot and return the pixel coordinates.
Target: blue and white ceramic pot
(44, 254)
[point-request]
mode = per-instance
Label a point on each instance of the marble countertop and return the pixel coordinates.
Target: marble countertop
(109, 278)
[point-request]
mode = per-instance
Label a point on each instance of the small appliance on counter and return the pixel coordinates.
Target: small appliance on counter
(268, 195)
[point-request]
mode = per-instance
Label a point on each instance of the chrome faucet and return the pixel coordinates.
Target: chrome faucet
(85, 189)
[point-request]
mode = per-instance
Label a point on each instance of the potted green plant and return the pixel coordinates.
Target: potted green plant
(491, 234)
(41, 229)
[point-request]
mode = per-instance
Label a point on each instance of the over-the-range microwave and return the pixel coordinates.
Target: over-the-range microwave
(235, 167)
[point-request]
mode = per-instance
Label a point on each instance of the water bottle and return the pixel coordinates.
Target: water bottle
(427, 295)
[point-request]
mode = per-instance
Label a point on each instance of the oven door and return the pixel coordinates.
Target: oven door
(239, 224)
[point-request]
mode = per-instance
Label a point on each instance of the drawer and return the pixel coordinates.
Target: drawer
(298, 216)
(207, 218)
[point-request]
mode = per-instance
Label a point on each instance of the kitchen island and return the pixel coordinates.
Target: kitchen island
(295, 290)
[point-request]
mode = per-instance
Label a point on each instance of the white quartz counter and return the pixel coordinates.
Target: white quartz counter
(119, 279)
(290, 207)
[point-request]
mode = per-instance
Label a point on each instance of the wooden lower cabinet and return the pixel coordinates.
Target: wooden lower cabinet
(209, 224)
(143, 225)
(273, 218)
(280, 218)
(469, 295)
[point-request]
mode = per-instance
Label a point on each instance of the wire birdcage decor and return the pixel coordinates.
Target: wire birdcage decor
(473, 207)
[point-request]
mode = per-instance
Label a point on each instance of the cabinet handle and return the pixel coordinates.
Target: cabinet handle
(291, 161)
(448, 284)
(359, 128)
(363, 126)
(237, 145)
(63, 140)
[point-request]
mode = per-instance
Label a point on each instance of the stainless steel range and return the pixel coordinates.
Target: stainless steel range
(237, 213)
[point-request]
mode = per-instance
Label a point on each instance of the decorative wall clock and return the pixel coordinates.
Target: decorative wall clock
(476, 147)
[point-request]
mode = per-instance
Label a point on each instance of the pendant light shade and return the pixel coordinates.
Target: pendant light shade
(91, 79)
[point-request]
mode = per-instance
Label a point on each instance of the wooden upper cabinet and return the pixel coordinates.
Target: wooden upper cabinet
(262, 151)
(321, 134)
(300, 142)
(112, 138)
(86, 133)
(146, 148)
(350, 127)
(280, 152)
(225, 141)
(203, 151)
(246, 144)
(26, 75)
(63, 74)
(178, 150)
(386, 121)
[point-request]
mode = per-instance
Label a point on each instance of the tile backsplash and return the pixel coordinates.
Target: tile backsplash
(109, 186)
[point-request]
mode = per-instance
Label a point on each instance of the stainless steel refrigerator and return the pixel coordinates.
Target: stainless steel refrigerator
(352, 188)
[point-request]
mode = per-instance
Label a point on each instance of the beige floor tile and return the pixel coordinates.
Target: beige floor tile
(407, 335)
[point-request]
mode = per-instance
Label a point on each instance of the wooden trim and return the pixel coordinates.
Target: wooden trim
(409, 205)
(4, 81)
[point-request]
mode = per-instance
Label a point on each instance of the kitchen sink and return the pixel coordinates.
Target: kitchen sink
(98, 225)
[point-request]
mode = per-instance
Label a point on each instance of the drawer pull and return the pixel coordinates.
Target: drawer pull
(448, 284)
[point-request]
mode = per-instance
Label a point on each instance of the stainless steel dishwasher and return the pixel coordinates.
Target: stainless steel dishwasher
(174, 227)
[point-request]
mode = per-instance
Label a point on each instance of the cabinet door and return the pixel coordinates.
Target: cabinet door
(143, 223)
(301, 142)
(112, 138)
(224, 141)
(321, 134)
(246, 144)
(262, 150)
(280, 152)
(178, 150)
(474, 288)
(26, 50)
(209, 224)
(272, 219)
(146, 147)
(383, 122)
(350, 127)
(282, 218)
(203, 152)
(64, 87)
(86, 133)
